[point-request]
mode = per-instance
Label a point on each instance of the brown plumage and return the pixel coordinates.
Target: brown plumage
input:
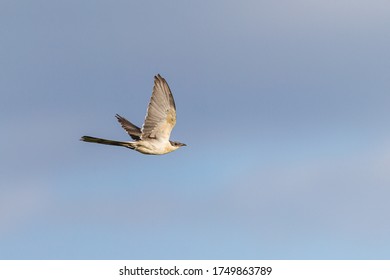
(160, 119)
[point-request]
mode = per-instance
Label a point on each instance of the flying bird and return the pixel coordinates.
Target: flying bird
(153, 137)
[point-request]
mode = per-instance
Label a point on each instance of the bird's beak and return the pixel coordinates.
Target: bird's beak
(182, 144)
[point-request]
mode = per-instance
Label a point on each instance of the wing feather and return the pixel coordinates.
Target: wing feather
(133, 130)
(161, 113)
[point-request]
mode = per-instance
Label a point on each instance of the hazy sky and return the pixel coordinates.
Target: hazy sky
(284, 106)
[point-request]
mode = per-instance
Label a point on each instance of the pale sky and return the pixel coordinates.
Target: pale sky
(284, 106)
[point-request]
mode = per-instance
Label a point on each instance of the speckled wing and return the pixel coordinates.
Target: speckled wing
(161, 114)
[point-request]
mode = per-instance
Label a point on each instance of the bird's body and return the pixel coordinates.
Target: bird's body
(149, 147)
(153, 138)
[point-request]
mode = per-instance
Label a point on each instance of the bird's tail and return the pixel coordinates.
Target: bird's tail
(107, 142)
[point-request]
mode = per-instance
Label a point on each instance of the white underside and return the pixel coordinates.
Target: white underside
(153, 147)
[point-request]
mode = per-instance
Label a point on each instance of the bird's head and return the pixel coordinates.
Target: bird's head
(177, 145)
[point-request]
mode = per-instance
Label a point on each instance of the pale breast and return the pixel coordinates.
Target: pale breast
(154, 147)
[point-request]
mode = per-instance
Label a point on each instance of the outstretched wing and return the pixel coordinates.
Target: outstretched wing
(133, 130)
(161, 114)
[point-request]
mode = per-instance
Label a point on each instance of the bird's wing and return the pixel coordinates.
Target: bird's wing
(133, 130)
(161, 114)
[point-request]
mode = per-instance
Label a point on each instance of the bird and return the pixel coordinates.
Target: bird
(153, 137)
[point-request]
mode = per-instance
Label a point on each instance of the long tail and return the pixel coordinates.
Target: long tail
(107, 142)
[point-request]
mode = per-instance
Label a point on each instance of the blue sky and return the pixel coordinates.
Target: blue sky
(284, 106)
